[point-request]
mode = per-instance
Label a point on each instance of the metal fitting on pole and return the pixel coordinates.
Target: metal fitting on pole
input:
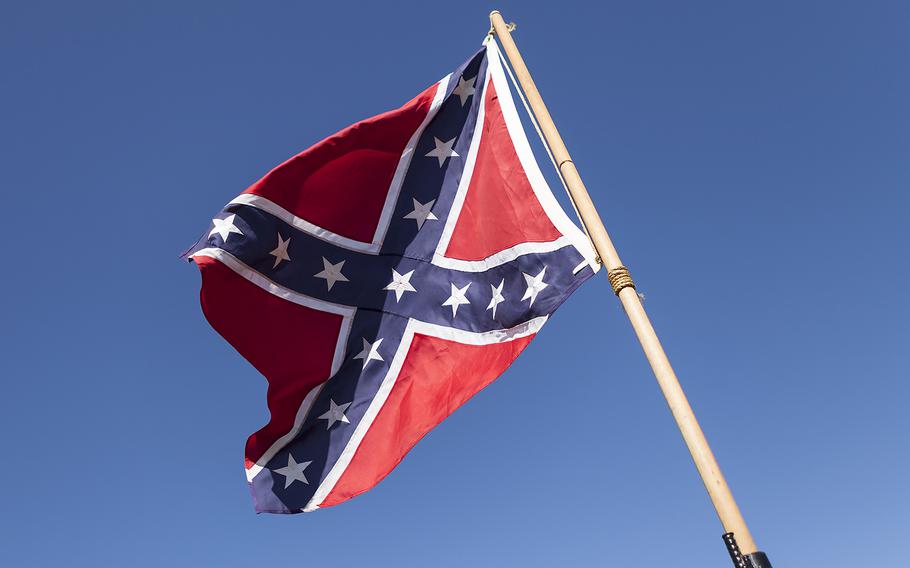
(755, 560)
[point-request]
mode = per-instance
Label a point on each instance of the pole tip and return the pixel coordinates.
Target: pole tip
(494, 12)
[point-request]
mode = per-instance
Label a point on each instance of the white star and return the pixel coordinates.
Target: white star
(442, 150)
(331, 272)
(281, 251)
(421, 212)
(400, 284)
(225, 227)
(457, 298)
(335, 414)
(535, 285)
(464, 89)
(370, 352)
(293, 472)
(497, 297)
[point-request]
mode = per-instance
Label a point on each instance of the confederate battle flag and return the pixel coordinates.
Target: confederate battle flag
(382, 277)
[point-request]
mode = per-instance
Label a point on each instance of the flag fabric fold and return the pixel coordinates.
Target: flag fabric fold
(382, 277)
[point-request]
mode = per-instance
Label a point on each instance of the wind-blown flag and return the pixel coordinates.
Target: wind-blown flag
(382, 277)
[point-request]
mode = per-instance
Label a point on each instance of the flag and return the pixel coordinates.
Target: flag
(382, 277)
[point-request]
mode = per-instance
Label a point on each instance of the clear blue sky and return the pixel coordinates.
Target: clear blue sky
(750, 160)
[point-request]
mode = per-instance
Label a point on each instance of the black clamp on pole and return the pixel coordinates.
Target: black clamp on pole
(754, 560)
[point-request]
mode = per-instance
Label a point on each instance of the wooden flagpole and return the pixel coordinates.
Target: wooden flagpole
(622, 283)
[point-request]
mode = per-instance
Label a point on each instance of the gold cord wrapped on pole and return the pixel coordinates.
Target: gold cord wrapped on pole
(620, 278)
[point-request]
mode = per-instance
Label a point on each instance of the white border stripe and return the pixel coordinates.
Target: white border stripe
(405, 162)
(571, 233)
(271, 287)
(388, 207)
(414, 327)
(466, 175)
(273, 208)
(502, 256)
(305, 405)
(526, 156)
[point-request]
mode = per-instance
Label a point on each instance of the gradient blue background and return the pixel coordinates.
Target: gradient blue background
(750, 160)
